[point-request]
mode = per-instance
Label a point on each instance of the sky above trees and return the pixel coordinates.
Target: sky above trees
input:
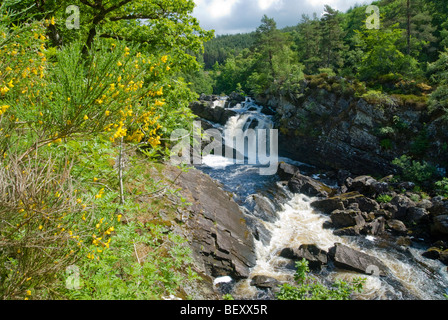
(240, 16)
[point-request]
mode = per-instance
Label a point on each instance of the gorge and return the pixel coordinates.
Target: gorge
(324, 202)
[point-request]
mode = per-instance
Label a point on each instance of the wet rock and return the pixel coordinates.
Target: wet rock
(403, 204)
(205, 110)
(308, 186)
(439, 206)
(397, 226)
(265, 282)
(258, 229)
(217, 230)
(362, 184)
(350, 259)
(235, 98)
(328, 205)
(444, 257)
(205, 97)
(348, 231)
(342, 176)
(432, 253)
(347, 218)
(224, 285)
(416, 214)
(286, 171)
(439, 227)
(264, 209)
(313, 254)
(376, 227)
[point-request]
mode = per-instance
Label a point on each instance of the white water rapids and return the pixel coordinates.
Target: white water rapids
(413, 276)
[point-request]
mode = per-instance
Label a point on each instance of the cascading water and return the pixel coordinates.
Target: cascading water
(413, 277)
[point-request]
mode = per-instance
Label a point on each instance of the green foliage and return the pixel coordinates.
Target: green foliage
(310, 289)
(441, 187)
(379, 98)
(268, 68)
(69, 117)
(384, 198)
(414, 171)
(160, 271)
(383, 56)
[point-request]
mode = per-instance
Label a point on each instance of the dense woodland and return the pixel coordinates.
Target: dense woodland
(406, 55)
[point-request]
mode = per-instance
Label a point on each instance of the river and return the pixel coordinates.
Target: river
(296, 223)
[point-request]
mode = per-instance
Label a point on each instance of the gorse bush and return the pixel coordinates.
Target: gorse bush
(69, 121)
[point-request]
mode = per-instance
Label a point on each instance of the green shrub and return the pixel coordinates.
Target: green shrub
(384, 198)
(414, 171)
(442, 187)
(308, 288)
(378, 98)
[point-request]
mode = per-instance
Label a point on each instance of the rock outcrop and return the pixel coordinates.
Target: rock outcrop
(329, 129)
(216, 227)
(208, 111)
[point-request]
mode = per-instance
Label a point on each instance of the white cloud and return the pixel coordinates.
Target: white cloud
(215, 8)
(266, 4)
(238, 16)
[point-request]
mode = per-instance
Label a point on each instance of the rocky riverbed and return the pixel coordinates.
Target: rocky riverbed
(230, 222)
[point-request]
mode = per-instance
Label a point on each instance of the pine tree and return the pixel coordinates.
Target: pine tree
(415, 18)
(307, 40)
(332, 44)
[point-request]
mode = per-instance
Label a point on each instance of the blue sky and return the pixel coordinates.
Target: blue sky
(240, 16)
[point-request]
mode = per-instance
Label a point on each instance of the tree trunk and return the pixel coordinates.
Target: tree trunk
(408, 31)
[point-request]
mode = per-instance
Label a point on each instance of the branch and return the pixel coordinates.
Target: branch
(118, 5)
(136, 16)
(87, 3)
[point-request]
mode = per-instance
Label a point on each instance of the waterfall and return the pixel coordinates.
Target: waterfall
(413, 277)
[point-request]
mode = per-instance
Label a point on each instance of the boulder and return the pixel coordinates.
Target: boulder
(350, 259)
(286, 171)
(347, 218)
(313, 254)
(362, 184)
(327, 206)
(403, 204)
(416, 214)
(205, 110)
(308, 186)
(444, 257)
(397, 226)
(348, 231)
(376, 227)
(432, 253)
(346, 201)
(439, 206)
(264, 282)
(439, 226)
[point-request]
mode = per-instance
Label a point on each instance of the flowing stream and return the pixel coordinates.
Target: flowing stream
(413, 276)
